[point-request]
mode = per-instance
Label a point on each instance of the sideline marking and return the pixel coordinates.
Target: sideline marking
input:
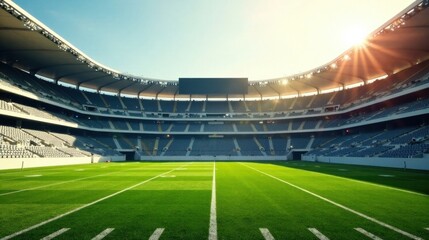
(427, 228)
(318, 234)
(213, 218)
(368, 234)
(386, 175)
(83, 206)
(266, 233)
(55, 234)
(157, 234)
(341, 206)
(103, 234)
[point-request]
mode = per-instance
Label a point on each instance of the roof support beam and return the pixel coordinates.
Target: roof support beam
(36, 70)
(278, 93)
(88, 80)
(144, 89)
(70, 75)
(107, 84)
(129, 85)
(328, 80)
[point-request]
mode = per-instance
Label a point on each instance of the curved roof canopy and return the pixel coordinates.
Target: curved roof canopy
(28, 44)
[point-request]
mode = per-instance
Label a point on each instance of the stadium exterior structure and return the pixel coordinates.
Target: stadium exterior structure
(381, 123)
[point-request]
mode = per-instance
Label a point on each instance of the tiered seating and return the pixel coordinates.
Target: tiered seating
(179, 147)
(36, 112)
(204, 146)
(132, 104)
(8, 106)
(279, 144)
(371, 151)
(47, 152)
(74, 152)
(408, 151)
(149, 105)
(13, 151)
(46, 137)
(113, 102)
(218, 127)
(95, 99)
(299, 142)
(248, 147)
(18, 136)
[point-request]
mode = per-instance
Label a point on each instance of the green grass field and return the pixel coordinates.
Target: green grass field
(173, 200)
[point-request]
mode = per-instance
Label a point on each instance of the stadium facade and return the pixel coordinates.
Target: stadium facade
(368, 106)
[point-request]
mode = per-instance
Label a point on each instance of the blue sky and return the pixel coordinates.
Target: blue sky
(168, 39)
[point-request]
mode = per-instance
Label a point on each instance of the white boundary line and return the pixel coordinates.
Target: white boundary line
(103, 234)
(84, 206)
(157, 234)
(379, 185)
(427, 228)
(53, 184)
(266, 233)
(368, 234)
(318, 234)
(55, 234)
(69, 181)
(213, 218)
(341, 206)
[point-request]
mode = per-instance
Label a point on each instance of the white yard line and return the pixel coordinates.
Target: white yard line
(368, 234)
(84, 206)
(318, 234)
(55, 234)
(157, 234)
(213, 218)
(103, 234)
(266, 233)
(341, 206)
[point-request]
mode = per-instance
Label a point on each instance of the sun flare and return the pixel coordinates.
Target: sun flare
(355, 36)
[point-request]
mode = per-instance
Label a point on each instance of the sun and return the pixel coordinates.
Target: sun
(355, 36)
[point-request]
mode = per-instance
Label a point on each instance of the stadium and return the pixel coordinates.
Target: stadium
(340, 151)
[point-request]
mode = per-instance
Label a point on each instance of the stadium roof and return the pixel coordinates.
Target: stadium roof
(28, 44)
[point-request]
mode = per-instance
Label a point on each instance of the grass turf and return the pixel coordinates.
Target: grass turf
(248, 198)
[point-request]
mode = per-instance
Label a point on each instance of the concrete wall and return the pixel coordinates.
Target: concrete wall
(13, 163)
(411, 163)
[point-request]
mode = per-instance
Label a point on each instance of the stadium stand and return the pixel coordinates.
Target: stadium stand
(382, 118)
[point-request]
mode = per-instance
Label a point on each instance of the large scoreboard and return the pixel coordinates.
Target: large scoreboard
(213, 86)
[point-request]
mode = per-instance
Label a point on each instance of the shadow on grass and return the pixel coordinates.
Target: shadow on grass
(411, 180)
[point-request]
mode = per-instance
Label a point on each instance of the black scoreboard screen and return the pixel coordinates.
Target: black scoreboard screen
(213, 85)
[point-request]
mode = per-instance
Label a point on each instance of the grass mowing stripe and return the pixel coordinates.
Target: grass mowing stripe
(84, 206)
(318, 234)
(266, 233)
(378, 185)
(54, 184)
(213, 217)
(103, 234)
(341, 206)
(157, 234)
(55, 234)
(368, 234)
(69, 181)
